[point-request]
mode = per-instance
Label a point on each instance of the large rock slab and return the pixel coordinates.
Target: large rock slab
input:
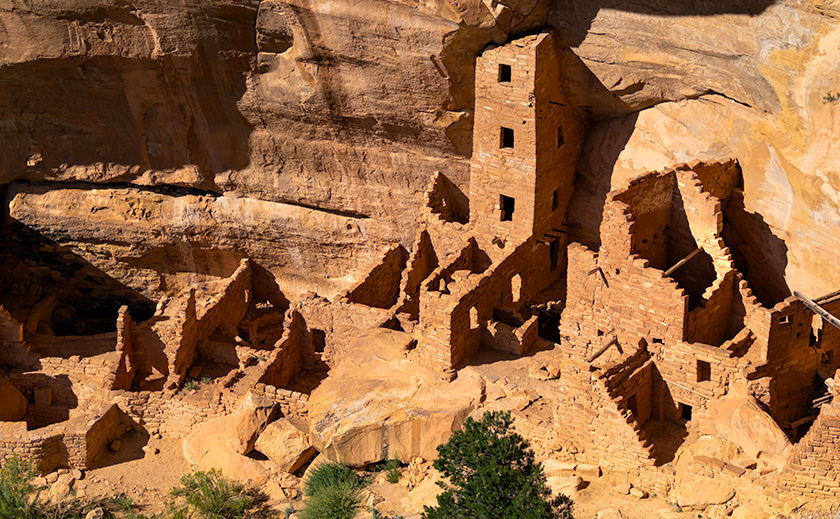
(376, 406)
(694, 490)
(740, 420)
(286, 443)
(222, 443)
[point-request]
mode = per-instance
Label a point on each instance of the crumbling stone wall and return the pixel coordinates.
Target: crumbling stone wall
(813, 468)
(421, 263)
(75, 443)
(444, 202)
(588, 418)
(123, 375)
(334, 325)
(13, 352)
(287, 359)
(381, 287)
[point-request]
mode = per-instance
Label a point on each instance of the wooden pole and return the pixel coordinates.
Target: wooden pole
(682, 262)
(817, 309)
(602, 350)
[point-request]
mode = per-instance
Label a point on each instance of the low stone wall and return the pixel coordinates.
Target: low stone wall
(292, 403)
(73, 443)
(173, 416)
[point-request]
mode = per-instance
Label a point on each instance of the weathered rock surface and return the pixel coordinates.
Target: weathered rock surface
(772, 116)
(376, 406)
(222, 443)
(694, 490)
(347, 109)
(740, 420)
(286, 443)
(13, 404)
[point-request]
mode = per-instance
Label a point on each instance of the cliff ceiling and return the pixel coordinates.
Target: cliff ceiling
(154, 135)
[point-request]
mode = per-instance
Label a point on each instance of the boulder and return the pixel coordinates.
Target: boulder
(588, 472)
(558, 468)
(375, 406)
(286, 443)
(740, 420)
(254, 414)
(695, 490)
(566, 485)
(222, 443)
(623, 488)
(13, 404)
(96, 513)
(609, 513)
(749, 511)
(60, 490)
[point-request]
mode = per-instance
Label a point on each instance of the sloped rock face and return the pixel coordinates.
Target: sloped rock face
(344, 110)
(749, 82)
(376, 406)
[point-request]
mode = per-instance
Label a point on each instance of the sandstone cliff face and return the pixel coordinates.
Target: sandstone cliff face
(286, 118)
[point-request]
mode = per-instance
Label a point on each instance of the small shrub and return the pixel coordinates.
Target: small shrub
(338, 500)
(18, 495)
(330, 474)
(393, 468)
(205, 380)
(333, 491)
(190, 385)
(212, 496)
(124, 502)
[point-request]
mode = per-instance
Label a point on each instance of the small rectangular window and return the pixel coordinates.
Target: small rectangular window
(507, 205)
(704, 371)
(506, 138)
(504, 73)
(561, 139)
(685, 411)
(554, 253)
(555, 199)
(785, 319)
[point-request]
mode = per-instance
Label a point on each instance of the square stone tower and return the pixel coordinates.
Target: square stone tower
(526, 141)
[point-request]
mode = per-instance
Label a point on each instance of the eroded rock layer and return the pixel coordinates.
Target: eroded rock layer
(349, 108)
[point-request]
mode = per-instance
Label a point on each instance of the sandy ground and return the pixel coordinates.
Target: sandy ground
(146, 478)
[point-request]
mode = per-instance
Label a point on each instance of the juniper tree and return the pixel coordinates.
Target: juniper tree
(492, 473)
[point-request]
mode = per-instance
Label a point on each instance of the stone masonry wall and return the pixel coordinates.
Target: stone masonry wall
(813, 469)
(421, 263)
(286, 360)
(526, 139)
(123, 375)
(381, 287)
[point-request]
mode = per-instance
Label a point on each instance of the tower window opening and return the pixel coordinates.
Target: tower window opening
(555, 199)
(507, 204)
(704, 371)
(553, 253)
(506, 138)
(561, 140)
(504, 73)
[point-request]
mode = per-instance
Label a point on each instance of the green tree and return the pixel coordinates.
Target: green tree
(492, 473)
